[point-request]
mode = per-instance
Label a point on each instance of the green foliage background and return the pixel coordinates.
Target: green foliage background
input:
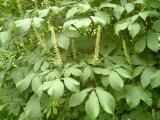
(79, 59)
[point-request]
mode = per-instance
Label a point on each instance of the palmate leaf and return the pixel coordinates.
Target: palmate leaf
(92, 106)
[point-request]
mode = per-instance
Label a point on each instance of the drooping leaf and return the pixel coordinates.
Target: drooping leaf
(106, 100)
(92, 106)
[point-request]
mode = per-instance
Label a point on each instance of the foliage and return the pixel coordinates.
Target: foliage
(79, 59)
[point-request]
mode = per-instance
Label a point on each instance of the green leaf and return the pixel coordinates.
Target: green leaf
(146, 76)
(132, 95)
(56, 89)
(152, 41)
(121, 26)
(52, 75)
(23, 24)
(83, 8)
(43, 13)
(143, 15)
(129, 7)
(77, 98)
(156, 25)
(24, 84)
(71, 12)
(37, 64)
(92, 106)
(86, 73)
(45, 86)
(63, 41)
(78, 23)
(118, 11)
(123, 72)
(101, 17)
(98, 20)
(145, 95)
(4, 36)
(106, 100)
(102, 71)
(2, 106)
(37, 22)
(140, 44)
(133, 29)
(71, 84)
(105, 81)
(106, 4)
(33, 108)
(36, 83)
(137, 71)
(55, 10)
(116, 81)
(72, 70)
(155, 79)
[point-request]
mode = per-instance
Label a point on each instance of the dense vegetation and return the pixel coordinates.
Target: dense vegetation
(79, 59)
